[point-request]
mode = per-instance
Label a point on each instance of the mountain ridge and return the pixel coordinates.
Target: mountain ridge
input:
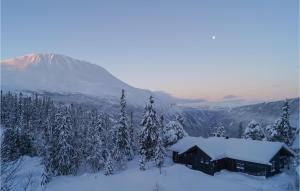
(64, 74)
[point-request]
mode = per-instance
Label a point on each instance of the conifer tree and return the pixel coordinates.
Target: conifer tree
(282, 131)
(64, 151)
(122, 150)
(219, 131)
(132, 136)
(108, 164)
(173, 132)
(95, 157)
(160, 151)
(254, 131)
(149, 134)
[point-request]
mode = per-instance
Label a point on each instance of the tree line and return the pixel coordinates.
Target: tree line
(280, 131)
(70, 136)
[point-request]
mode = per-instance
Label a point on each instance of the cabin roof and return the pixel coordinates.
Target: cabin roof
(240, 149)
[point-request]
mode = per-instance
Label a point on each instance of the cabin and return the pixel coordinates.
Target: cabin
(210, 155)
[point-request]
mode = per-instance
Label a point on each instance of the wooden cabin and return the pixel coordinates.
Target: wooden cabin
(260, 158)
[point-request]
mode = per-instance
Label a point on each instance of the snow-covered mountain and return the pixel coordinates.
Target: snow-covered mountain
(236, 119)
(68, 80)
(63, 74)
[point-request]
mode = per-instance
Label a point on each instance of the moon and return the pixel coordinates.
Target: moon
(213, 37)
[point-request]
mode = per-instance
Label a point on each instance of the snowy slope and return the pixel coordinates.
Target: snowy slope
(200, 120)
(175, 177)
(58, 73)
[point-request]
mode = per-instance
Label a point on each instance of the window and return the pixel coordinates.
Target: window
(240, 165)
(273, 166)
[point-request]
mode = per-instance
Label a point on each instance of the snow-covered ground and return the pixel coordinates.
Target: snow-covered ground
(175, 177)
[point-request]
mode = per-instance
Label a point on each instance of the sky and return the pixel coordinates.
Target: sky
(208, 49)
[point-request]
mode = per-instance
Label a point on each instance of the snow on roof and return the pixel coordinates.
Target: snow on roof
(240, 149)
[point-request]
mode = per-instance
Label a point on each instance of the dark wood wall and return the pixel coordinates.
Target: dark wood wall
(199, 160)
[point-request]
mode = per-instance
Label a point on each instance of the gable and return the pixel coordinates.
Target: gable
(195, 150)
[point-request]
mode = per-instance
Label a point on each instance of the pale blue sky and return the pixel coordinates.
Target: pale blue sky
(167, 45)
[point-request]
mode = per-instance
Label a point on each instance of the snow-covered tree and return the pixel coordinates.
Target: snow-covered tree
(64, 151)
(122, 149)
(10, 140)
(218, 131)
(160, 151)
(149, 134)
(254, 131)
(95, 148)
(142, 160)
(282, 131)
(180, 119)
(132, 135)
(173, 132)
(108, 164)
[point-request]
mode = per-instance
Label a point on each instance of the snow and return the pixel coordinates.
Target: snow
(31, 167)
(240, 149)
(63, 74)
(296, 142)
(175, 177)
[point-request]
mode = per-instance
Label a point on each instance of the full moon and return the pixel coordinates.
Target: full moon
(213, 37)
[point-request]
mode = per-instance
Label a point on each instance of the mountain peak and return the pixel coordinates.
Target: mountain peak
(34, 58)
(58, 73)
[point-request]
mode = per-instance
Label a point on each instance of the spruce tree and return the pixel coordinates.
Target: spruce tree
(173, 132)
(95, 157)
(254, 131)
(160, 151)
(219, 131)
(64, 151)
(122, 150)
(282, 131)
(108, 164)
(149, 134)
(132, 135)
(11, 151)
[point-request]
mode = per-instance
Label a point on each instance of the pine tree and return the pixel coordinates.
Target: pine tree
(108, 164)
(254, 131)
(48, 153)
(149, 134)
(64, 151)
(122, 150)
(180, 119)
(282, 131)
(142, 160)
(95, 157)
(132, 135)
(219, 131)
(173, 132)
(160, 151)
(11, 151)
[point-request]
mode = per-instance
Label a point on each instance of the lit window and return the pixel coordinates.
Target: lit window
(240, 165)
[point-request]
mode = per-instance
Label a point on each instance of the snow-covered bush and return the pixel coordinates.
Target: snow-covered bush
(254, 131)
(173, 132)
(218, 131)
